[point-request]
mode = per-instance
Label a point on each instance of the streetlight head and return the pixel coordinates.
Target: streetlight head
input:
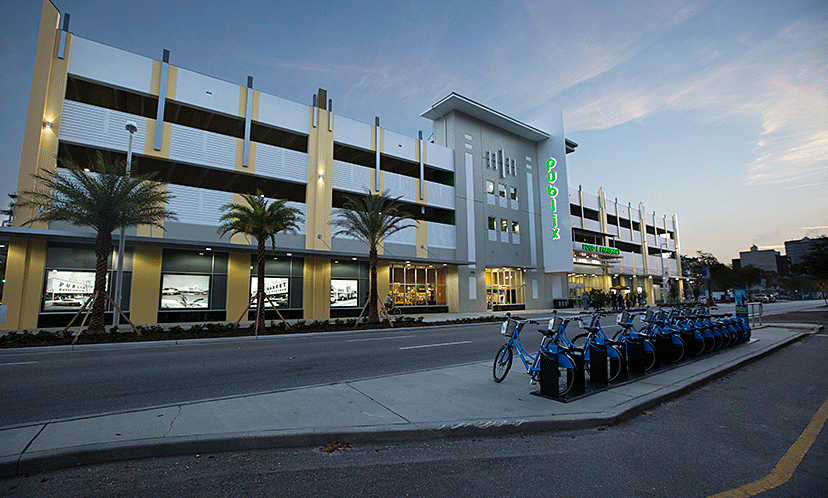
(131, 126)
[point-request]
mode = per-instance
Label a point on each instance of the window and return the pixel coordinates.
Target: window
(515, 227)
(513, 193)
(185, 291)
(276, 292)
(501, 190)
(489, 187)
(504, 225)
(344, 292)
(418, 285)
(492, 223)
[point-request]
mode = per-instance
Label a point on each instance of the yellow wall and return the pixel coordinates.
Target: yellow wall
(25, 268)
(319, 192)
(146, 285)
(316, 288)
(238, 284)
(40, 144)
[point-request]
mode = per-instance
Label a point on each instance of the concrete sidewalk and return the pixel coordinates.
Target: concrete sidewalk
(452, 401)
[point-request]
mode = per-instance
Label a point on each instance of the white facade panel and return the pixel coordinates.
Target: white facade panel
(207, 93)
(284, 114)
(639, 261)
(636, 237)
(492, 235)
(406, 236)
(515, 238)
(352, 132)
(574, 198)
(399, 145)
(651, 240)
(673, 267)
(441, 235)
(504, 236)
(109, 65)
(514, 205)
(399, 185)
(491, 199)
(590, 200)
(197, 206)
(192, 146)
(285, 164)
(351, 177)
(592, 225)
(85, 124)
(635, 214)
(612, 230)
(439, 157)
(503, 202)
(440, 195)
(671, 244)
(655, 264)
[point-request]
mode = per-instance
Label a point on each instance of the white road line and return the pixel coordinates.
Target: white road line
(19, 363)
(380, 338)
(436, 345)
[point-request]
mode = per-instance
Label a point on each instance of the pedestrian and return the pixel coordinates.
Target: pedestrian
(629, 301)
(585, 301)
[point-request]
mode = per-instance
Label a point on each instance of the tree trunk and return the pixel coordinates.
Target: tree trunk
(260, 287)
(373, 313)
(103, 251)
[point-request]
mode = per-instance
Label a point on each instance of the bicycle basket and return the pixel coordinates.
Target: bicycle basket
(507, 327)
(555, 323)
(623, 317)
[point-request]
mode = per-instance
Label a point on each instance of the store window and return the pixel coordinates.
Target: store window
(418, 285)
(193, 280)
(501, 190)
(513, 193)
(489, 187)
(504, 286)
(492, 223)
(283, 281)
(515, 227)
(504, 225)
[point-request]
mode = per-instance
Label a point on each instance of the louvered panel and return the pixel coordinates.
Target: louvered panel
(335, 215)
(186, 145)
(440, 195)
(295, 166)
(85, 124)
(441, 235)
(269, 160)
(197, 206)
(406, 236)
(220, 151)
(301, 206)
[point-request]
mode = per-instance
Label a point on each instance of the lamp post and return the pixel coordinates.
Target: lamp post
(131, 127)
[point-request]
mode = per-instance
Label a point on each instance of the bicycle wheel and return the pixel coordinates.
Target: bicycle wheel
(502, 363)
(613, 363)
(677, 349)
(566, 373)
(649, 355)
(579, 341)
(396, 311)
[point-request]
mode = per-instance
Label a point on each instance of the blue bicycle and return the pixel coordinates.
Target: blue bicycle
(550, 346)
(596, 338)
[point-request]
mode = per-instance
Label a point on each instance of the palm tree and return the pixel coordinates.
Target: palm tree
(261, 220)
(371, 218)
(104, 200)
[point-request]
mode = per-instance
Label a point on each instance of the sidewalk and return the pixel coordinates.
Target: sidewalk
(452, 401)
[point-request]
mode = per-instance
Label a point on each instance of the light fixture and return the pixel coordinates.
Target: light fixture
(321, 176)
(201, 254)
(47, 124)
(354, 259)
(87, 170)
(208, 248)
(289, 254)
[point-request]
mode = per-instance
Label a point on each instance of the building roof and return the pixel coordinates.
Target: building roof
(457, 102)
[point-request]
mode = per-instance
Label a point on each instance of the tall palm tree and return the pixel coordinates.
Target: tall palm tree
(104, 200)
(371, 218)
(261, 220)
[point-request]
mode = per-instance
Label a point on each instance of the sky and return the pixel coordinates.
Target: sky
(714, 111)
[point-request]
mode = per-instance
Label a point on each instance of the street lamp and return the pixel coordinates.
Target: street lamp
(131, 127)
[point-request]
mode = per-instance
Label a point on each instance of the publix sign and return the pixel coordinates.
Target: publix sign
(600, 249)
(552, 176)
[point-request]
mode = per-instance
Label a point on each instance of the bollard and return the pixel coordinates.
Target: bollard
(549, 374)
(635, 355)
(598, 363)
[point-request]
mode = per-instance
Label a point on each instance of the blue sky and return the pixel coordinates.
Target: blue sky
(716, 111)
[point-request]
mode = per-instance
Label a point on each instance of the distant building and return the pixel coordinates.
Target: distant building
(797, 249)
(764, 259)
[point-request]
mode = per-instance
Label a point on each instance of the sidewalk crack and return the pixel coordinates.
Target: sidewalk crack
(172, 422)
(377, 402)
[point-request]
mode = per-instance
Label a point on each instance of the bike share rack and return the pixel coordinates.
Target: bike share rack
(631, 365)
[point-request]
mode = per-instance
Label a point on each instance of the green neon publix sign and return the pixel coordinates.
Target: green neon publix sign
(553, 192)
(601, 249)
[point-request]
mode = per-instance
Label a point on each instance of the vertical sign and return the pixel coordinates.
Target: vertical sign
(552, 176)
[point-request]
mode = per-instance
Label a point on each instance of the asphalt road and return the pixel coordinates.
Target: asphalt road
(725, 434)
(40, 384)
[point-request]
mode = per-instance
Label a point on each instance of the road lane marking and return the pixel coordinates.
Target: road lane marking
(785, 468)
(436, 345)
(380, 338)
(19, 363)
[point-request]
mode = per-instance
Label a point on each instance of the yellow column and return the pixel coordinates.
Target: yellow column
(40, 144)
(316, 288)
(383, 279)
(238, 284)
(25, 267)
(319, 192)
(146, 285)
